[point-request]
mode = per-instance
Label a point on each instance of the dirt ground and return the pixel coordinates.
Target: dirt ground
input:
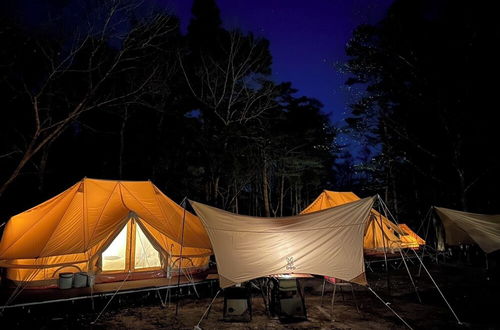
(472, 292)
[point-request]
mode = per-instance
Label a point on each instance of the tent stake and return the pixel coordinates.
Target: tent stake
(439, 290)
(392, 310)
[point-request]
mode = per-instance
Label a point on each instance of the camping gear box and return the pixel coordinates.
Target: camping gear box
(287, 300)
(237, 304)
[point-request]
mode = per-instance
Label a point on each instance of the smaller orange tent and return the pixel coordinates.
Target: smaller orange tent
(377, 236)
(417, 239)
(103, 227)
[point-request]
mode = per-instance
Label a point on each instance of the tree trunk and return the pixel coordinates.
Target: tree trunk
(282, 194)
(463, 189)
(26, 157)
(265, 190)
(236, 206)
(122, 143)
(216, 191)
(42, 168)
(394, 193)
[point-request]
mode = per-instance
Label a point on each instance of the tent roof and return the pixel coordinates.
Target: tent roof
(464, 227)
(329, 199)
(86, 214)
(328, 243)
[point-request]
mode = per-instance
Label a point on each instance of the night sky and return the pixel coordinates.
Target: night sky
(307, 39)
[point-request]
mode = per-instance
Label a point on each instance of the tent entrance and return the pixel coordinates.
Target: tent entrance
(131, 250)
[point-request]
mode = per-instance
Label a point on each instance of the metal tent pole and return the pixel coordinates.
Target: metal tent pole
(323, 291)
(404, 260)
(385, 251)
(180, 258)
(428, 218)
(434, 282)
(439, 290)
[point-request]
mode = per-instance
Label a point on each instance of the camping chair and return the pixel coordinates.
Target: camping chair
(337, 283)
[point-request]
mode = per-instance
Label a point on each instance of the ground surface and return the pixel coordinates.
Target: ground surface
(472, 292)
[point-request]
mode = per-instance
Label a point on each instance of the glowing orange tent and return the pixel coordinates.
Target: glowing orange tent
(103, 227)
(419, 240)
(376, 236)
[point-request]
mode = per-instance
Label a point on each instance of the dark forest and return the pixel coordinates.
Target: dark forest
(118, 92)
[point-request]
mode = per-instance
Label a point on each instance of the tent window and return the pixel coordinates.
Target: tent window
(146, 256)
(114, 257)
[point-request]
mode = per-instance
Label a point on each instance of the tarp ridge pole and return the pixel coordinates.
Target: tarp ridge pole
(428, 219)
(388, 211)
(411, 277)
(323, 291)
(261, 284)
(183, 203)
(439, 290)
(387, 304)
(333, 301)
(403, 258)
(383, 240)
(197, 326)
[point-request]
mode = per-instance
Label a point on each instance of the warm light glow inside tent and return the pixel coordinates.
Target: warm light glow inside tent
(146, 256)
(130, 244)
(113, 258)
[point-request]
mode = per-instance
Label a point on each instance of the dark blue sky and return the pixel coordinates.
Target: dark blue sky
(307, 38)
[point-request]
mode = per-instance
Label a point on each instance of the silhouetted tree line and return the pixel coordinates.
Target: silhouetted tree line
(428, 74)
(113, 89)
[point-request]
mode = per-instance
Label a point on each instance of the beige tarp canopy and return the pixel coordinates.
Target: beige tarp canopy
(463, 227)
(328, 242)
(75, 227)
